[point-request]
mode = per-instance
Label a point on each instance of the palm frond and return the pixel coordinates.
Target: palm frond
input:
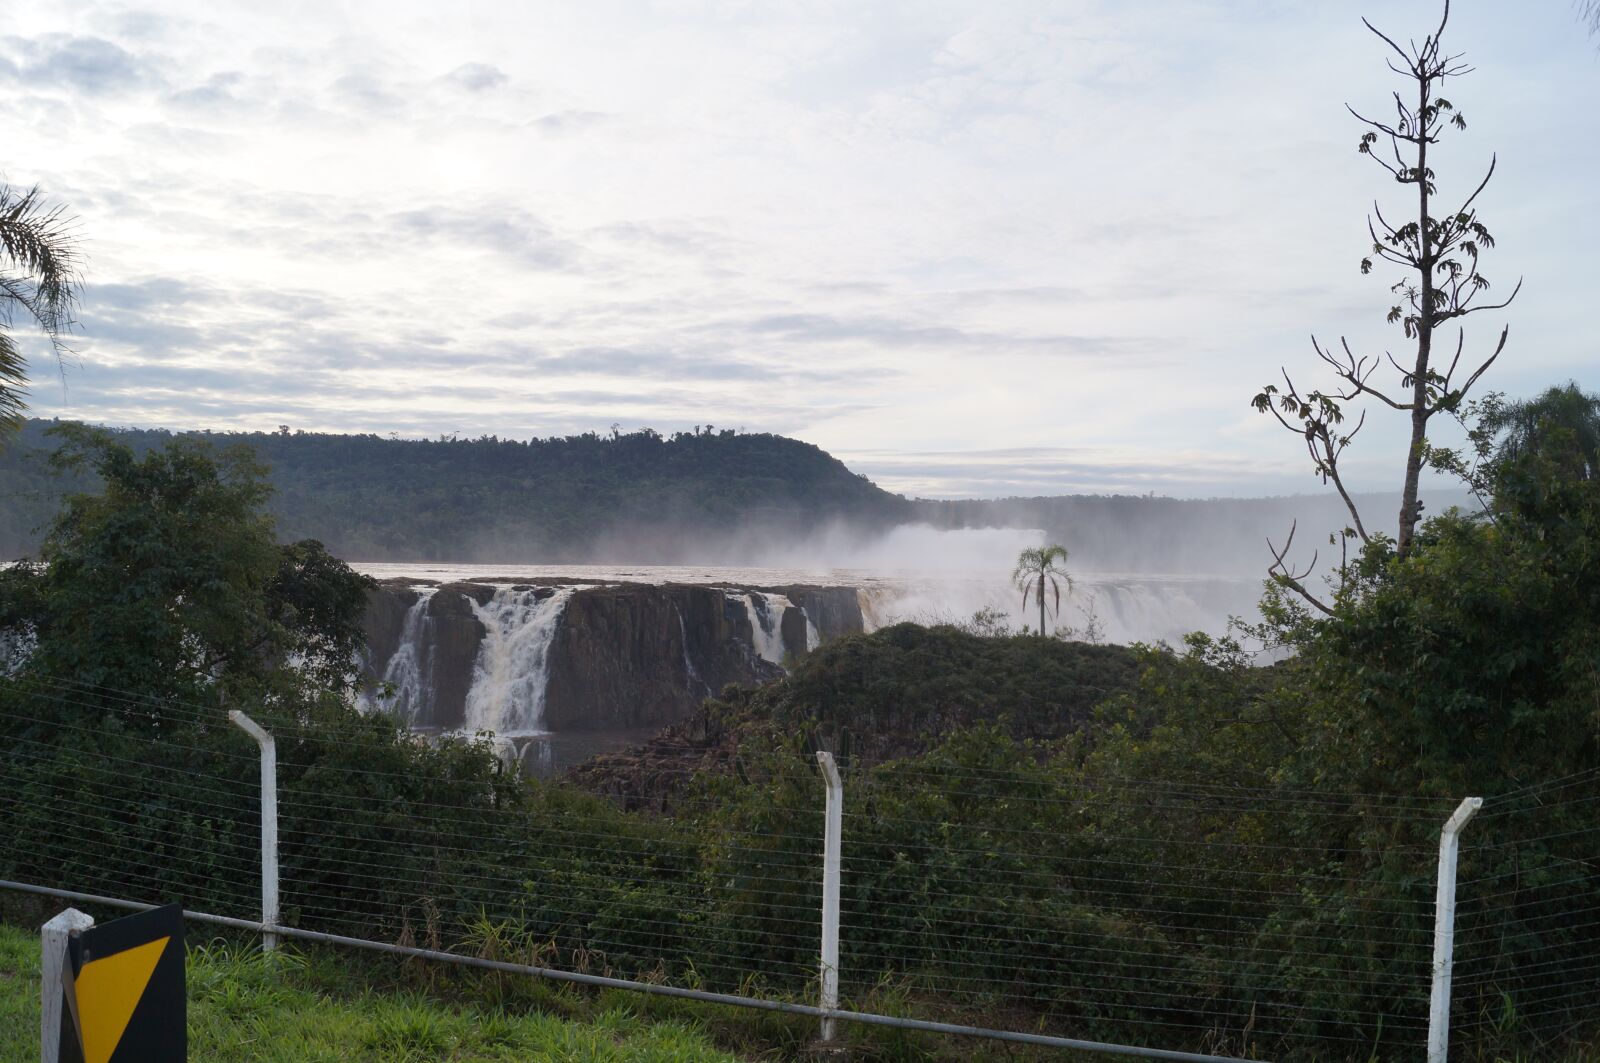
(39, 275)
(13, 376)
(38, 239)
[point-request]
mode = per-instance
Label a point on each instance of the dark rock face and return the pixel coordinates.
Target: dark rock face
(456, 633)
(792, 626)
(836, 611)
(633, 656)
(621, 657)
(385, 620)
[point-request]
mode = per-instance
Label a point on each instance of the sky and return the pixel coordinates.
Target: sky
(972, 249)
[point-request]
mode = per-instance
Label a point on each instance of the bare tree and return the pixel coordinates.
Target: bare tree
(38, 276)
(1440, 282)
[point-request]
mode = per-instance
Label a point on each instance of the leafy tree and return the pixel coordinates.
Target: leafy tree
(1042, 569)
(1440, 282)
(39, 277)
(1562, 423)
(169, 580)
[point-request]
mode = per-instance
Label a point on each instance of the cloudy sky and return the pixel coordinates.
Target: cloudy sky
(980, 248)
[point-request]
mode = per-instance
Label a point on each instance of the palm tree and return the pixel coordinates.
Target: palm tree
(39, 276)
(1041, 568)
(1562, 424)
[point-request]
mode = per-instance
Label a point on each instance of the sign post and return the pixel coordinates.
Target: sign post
(118, 987)
(53, 957)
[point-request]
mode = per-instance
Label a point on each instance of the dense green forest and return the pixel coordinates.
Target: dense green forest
(642, 497)
(637, 497)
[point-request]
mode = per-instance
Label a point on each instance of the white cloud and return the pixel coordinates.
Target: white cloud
(1085, 232)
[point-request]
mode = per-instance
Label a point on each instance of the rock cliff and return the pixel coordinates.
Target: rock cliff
(593, 658)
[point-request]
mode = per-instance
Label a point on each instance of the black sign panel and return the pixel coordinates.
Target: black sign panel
(124, 991)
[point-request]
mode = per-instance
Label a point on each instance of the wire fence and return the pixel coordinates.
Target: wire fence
(976, 888)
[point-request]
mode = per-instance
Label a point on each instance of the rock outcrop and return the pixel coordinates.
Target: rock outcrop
(617, 657)
(891, 695)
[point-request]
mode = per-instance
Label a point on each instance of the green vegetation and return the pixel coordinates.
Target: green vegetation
(301, 1007)
(370, 498)
(901, 690)
(39, 279)
(170, 581)
(1562, 421)
(1040, 570)
(641, 498)
(1034, 826)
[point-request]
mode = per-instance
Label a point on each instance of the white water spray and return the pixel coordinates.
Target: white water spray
(766, 625)
(513, 666)
(404, 672)
(688, 665)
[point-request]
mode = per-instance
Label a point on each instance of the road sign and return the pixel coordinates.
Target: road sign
(123, 991)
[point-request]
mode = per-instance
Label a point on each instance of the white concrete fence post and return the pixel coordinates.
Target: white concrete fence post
(269, 826)
(1444, 930)
(52, 959)
(832, 842)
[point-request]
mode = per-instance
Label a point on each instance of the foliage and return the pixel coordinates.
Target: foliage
(731, 497)
(899, 690)
(1559, 428)
(1042, 569)
(39, 278)
(169, 580)
(1021, 811)
(571, 498)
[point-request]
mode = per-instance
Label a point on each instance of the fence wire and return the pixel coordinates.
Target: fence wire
(1188, 914)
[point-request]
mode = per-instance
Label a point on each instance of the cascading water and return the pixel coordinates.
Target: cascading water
(513, 663)
(15, 649)
(688, 665)
(873, 603)
(766, 625)
(405, 672)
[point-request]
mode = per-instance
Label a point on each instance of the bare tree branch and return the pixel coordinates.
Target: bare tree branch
(1498, 347)
(1281, 573)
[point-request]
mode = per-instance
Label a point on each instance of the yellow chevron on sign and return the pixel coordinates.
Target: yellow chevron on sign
(108, 991)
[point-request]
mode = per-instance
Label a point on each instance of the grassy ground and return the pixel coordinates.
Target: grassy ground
(304, 1007)
(340, 1004)
(335, 1005)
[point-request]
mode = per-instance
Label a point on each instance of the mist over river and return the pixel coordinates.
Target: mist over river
(926, 575)
(1124, 607)
(564, 661)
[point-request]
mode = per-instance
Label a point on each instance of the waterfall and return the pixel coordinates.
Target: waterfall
(513, 663)
(15, 650)
(406, 668)
(766, 625)
(872, 602)
(688, 665)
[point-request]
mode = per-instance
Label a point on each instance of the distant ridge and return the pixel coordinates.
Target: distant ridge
(641, 494)
(699, 497)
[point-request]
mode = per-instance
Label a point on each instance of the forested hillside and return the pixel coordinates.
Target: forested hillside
(643, 498)
(639, 495)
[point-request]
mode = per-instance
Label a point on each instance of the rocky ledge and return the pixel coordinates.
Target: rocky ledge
(606, 658)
